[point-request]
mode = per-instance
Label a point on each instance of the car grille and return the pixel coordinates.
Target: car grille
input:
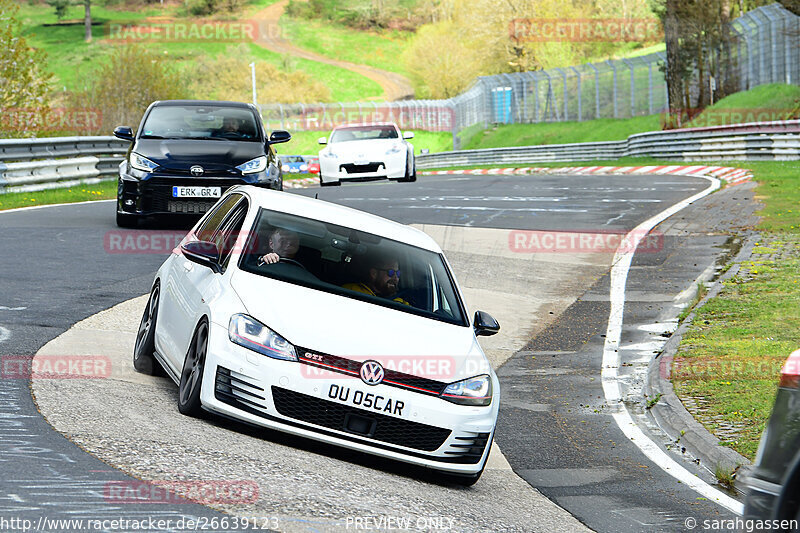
(358, 169)
(351, 367)
(158, 194)
(337, 416)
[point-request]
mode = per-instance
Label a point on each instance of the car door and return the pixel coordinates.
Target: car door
(180, 301)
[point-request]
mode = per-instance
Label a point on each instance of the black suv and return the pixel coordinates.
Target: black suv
(187, 153)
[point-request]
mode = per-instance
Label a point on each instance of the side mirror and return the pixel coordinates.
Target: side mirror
(203, 253)
(123, 132)
(280, 136)
(424, 151)
(408, 135)
(484, 324)
(322, 140)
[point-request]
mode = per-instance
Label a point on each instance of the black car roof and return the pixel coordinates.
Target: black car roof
(201, 103)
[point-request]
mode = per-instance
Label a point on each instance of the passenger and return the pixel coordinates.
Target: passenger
(381, 278)
(284, 244)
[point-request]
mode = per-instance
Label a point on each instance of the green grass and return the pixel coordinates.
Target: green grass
(377, 49)
(776, 101)
(345, 86)
(562, 132)
(98, 191)
(305, 142)
(72, 60)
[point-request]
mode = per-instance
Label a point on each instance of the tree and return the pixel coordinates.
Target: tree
(87, 20)
(24, 86)
(60, 7)
(122, 88)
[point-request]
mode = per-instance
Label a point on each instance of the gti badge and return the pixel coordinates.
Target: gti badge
(371, 372)
(196, 170)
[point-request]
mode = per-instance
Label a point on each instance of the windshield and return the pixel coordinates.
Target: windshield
(362, 133)
(353, 264)
(200, 122)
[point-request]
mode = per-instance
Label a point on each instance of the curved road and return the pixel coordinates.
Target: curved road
(552, 427)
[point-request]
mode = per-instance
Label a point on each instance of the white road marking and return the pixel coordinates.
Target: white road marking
(29, 208)
(4, 308)
(611, 360)
(4, 334)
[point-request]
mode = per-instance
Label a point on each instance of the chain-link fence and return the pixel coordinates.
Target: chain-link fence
(765, 49)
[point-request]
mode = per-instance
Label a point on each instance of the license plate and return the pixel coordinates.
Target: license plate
(369, 401)
(196, 192)
(362, 162)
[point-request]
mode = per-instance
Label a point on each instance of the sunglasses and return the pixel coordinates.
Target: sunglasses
(389, 271)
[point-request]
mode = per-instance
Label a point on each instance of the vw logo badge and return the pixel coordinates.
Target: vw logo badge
(197, 170)
(371, 372)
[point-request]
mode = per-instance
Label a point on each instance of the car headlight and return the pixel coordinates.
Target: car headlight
(329, 154)
(142, 163)
(303, 168)
(472, 391)
(395, 149)
(259, 164)
(248, 332)
(285, 168)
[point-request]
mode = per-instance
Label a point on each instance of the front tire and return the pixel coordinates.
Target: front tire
(192, 373)
(143, 359)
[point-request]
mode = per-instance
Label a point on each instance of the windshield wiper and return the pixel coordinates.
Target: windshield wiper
(146, 136)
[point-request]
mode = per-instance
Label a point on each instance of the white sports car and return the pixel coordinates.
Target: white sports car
(359, 152)
(326, 322)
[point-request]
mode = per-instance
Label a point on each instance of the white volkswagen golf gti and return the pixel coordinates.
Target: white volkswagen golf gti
(325, 322)
(357, 152)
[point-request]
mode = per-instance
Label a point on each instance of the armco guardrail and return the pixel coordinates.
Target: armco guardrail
(776, 141)
(34, 164)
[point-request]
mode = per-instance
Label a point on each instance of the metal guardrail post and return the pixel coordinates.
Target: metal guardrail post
(633, 87)
(580, 94)
(596, 91)
(614, 69)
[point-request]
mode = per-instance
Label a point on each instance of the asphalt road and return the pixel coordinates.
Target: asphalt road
(57, 271)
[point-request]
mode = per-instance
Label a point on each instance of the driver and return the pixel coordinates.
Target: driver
(381, 278)
(284, 244)
(230, 125)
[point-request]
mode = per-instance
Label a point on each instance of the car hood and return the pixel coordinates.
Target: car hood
(336, 325)
(364, 148)
(182, 153)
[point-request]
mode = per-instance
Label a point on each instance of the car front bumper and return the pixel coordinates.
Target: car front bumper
(391, 166)
(296, 398)
(153, 194)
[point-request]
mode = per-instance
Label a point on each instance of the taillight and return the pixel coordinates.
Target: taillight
(790, 373)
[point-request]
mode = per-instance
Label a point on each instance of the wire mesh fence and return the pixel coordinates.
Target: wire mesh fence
(765, 49)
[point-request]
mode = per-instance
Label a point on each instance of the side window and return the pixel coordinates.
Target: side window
(226, 239)
(212, 223)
